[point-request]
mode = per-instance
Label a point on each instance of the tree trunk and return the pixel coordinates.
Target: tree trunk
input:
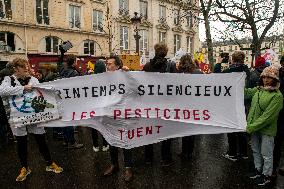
(209, 40)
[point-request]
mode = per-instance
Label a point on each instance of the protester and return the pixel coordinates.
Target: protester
(186, 65)
(5, 129)
(267, 101)
(114, 63)
(255, 73)
(279, 138)
(100, 67)
(68, 71)
(18, 84)
(237, 141)
(160, 64)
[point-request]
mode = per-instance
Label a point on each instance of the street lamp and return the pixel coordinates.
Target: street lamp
(136, 23)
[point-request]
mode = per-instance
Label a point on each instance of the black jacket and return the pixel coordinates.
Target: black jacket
(66, 72)
(161, 65)
(239, 68)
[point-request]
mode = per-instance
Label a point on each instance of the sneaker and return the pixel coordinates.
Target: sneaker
(76, 145)
(263, 180)
(244, 157)
(96, 149)
(167, 163)
(23, 174)
(281, 171)
(229, 157)
(105, 148)
(54, 168)
(255, 174)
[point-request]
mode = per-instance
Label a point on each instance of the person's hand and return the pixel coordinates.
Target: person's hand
(219, 60)
(125, 68)
(28, 87)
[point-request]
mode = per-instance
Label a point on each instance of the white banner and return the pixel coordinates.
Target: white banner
(132, 109)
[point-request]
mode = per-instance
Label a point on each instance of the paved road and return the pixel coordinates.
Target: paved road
(83, 168)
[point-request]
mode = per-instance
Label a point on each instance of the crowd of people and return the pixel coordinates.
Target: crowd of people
(263, 101)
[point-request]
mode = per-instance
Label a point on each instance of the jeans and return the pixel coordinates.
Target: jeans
(166, 151)
(237, 144)
(262, 148)
(68, 134)
(187, 145)
(127, 157)
(22, 142)
(277, 150)
(95, 137)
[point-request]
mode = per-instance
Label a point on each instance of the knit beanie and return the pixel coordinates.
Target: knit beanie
(271, 71)
(260, 61)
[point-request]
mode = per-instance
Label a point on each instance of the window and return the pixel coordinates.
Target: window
(42, 12)
(74, 16)
(144, 9)
(236, 48)
(7, 41)
(5, 9)
(51, 44)
(123, 7)
(162, 13)
(89, 47)
(189, 20)
(177, 44)
(176, 17)
(162, 37)
(225, 49)
(143, 42)
(124, 38)
(190, 48)
(98, 20)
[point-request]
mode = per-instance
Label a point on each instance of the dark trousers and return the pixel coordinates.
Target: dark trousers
(95, 137)
(188, 145)
(68, 134)
(237, 144)
(127, 157)
(22, 142)
(278, 141)
(165, 151)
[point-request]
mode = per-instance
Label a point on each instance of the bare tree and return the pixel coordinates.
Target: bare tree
(205, 7)
(250, 16)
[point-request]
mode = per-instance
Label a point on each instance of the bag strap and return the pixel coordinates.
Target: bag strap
(13, 83)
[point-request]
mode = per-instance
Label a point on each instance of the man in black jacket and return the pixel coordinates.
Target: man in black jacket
(66, 71)
(160, 64)
(278, 141)
(237, 141)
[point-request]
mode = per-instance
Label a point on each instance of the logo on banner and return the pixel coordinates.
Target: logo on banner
(31, 102)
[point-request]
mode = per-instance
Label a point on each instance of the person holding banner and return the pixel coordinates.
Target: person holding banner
(99, 67)
(68, 71)
(18, 84)
(237, 141)
(267, 101)
(114, 63)
(187, 66)
(160, 64)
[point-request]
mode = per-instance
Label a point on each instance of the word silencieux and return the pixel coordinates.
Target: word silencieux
(150, 90)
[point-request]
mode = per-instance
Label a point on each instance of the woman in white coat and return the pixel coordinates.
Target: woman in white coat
(19, 83)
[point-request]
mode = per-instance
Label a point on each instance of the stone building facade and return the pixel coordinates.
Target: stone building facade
(34, 28)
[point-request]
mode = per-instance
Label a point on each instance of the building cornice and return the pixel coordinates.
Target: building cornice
(183, 5)
(146, 23)
(178, 28)
(43, 27)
